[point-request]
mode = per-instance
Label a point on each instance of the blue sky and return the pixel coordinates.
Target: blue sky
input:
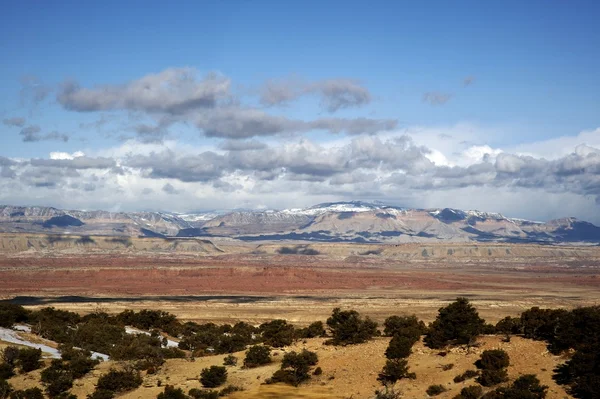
(512, 76)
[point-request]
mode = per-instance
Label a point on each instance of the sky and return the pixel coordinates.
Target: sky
(223, 104)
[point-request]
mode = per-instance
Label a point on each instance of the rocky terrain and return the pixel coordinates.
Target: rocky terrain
(331, 222)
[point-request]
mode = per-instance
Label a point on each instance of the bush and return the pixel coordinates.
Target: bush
(400, 347)
(5, 389)
(11, 314)
(581, 374)
(466, 375)
(31, 393)
(394, 370)
(10, 355)
(471, 392)
(29, 359)
(277, 333)
(200, 394)
(257, 355)
(347, 327)
(489, 378)
(388, 393)
(230, 360)
(57, 378)
(448, 366)
(408, 326)
(457, 323)
(318, 371)
(435, 390)
(494, 359)
(524, 387)
(230, 389)
(6, 371)
(101, 394)
(119, 380)
(213, 376)
(295, 368)
(171, 392)
(316, 329)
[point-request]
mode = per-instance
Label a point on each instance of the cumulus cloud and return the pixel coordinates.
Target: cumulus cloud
(32, 134)
(174, 90)
(241, 123)
(436, 98)
(177, 95)
(242, 145)
(335, 94)
(81, 162)
(15, 121)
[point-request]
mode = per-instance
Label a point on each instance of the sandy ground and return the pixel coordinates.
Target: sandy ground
(347, 371)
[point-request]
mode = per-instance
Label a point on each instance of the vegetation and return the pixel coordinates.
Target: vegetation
(581, 374)
(395, 370)
(118, 381)
(408, 326)
(230, 360)
(171, 392)
(347, 327)
(213, 376)
(470, 392)
(466, 375)
(524, 387)
(31, 393)
(277, 333)
(493, 364)
(399, 347)
(257, 355)
(434, 390)
(316, 329)
(457, 323)
(295, 368)
(29, 359)
(11, 314)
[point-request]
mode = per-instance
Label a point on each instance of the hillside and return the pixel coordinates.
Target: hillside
(356, 222)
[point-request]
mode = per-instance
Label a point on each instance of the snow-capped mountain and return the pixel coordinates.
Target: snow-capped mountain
(354, 221)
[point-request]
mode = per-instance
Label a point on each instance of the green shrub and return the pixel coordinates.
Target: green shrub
(230, 360)
(257, 355)
(318, 371)
(10, 355)
(490, 377)
(29, 359)
(11, 314)
(394, 370)
(30, 393)
(471, 392)
(5, 389)
(171, 392)
(101, 394)
(213, 376)
(200, 394)
(229, 389)
(524, 387)
(347, 327)
(119, 380)
(581, 373)
(316, 329)
(408, 326)
(6, 371)
(434, 390)
(457, 323)
(494, 359)
(277, 333)
(400, 347)
(466, 375)
(295, 368)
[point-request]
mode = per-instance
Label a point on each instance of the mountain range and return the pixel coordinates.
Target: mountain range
(354, 221)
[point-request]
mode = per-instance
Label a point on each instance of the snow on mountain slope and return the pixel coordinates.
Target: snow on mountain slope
(336, 221)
